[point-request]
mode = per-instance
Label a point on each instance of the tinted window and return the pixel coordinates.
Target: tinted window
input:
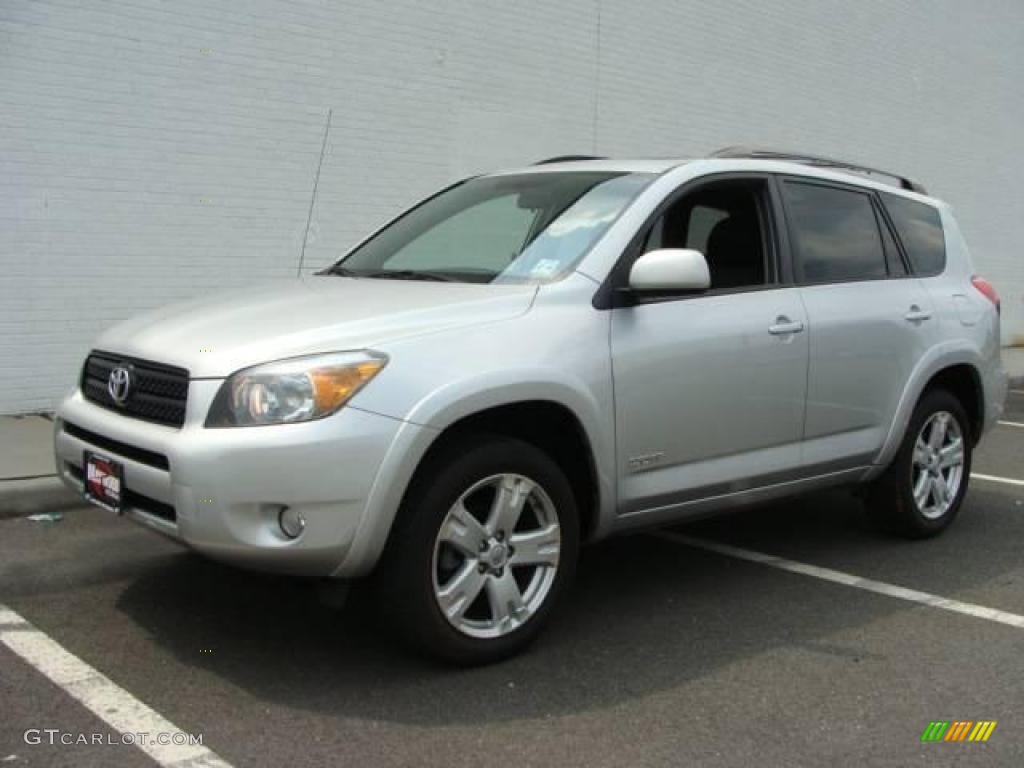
(920, 228)
(836, 233)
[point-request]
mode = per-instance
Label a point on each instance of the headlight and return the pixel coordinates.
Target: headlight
(288, 391)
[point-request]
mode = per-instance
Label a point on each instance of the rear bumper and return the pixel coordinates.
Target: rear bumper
(220, 491)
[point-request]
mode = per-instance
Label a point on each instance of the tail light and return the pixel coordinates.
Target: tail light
(986, 289)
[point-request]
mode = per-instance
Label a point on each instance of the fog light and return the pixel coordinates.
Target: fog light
(292, 522)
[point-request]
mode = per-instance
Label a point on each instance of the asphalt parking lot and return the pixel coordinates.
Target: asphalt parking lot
(667, 653)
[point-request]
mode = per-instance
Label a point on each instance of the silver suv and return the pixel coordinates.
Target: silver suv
(533, 359)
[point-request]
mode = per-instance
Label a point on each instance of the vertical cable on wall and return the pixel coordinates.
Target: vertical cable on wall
(312, 199)
(597, 79)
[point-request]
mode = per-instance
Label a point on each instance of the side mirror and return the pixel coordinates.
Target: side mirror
(670, 269)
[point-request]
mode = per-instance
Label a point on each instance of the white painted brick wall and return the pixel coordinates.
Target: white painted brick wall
(118, 118)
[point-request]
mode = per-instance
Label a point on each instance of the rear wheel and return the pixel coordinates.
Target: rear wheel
(486, 544)
(920, 494)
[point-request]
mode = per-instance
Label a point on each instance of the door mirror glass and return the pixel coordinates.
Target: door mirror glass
(670, 269)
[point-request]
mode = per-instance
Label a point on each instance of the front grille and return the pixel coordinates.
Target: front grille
(157, 393)
(133, 500)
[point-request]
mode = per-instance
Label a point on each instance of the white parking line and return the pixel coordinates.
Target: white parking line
(995, 479)
(1010, 424)
(1017, 391)
(108, 701)
(849, 580)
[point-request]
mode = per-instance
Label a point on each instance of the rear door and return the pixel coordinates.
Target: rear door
(869, 321)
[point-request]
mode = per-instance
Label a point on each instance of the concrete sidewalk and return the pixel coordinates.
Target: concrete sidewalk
(28, 480)
(29, 484)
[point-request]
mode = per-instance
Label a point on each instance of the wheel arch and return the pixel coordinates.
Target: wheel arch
(560, 419)
(963, 381)
(952, 366)
(548, 425)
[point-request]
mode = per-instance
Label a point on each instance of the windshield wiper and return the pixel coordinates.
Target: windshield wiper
(340, 271)
(388, 274)
(408, 274)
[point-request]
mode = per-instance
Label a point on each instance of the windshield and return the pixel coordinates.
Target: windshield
(523, 228)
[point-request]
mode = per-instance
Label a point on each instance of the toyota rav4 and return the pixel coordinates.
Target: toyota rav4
(533, 359)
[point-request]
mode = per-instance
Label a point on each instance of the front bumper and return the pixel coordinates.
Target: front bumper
(220, 491)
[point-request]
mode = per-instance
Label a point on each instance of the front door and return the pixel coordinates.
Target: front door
(709, 388)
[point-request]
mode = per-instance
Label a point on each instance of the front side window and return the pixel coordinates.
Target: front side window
(835, 233)
(522, 228)
(724, 222)
(920, 228)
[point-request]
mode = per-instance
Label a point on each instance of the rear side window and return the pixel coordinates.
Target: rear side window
(835, 232)
(920, 228)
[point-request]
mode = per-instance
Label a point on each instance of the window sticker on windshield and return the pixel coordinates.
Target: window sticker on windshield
(545, 268)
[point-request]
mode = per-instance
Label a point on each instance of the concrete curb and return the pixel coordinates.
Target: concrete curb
(19, 498)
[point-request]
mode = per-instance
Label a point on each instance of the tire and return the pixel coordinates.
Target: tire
(891, 501)
(495, 602)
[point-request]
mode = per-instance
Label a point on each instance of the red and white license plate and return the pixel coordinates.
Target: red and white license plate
(104, 481)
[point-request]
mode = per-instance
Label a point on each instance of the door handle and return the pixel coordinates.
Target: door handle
(917, 315)
(783, 327)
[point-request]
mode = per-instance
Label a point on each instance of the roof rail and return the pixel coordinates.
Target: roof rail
(815, 160)
(568, 159)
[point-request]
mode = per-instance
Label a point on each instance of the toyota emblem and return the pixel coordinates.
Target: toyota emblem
(119, 384)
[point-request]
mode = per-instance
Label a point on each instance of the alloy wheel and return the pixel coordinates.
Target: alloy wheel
(937, 469)
(496, 556)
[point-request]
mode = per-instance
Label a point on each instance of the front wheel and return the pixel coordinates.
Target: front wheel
(485, 545)
(920, 494)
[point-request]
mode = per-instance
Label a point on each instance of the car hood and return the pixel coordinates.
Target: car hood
(217, 336)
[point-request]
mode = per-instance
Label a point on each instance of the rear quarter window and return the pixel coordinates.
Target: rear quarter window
(919, 227)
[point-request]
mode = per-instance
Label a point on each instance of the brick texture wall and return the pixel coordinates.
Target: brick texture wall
(153, 151)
